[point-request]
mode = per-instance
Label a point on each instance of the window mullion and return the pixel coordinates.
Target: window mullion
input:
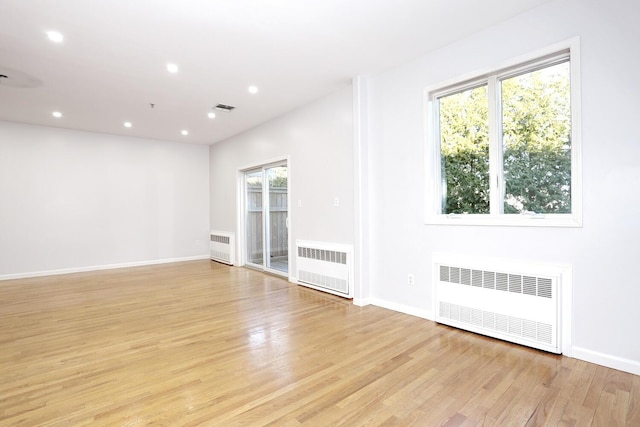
(495, 147)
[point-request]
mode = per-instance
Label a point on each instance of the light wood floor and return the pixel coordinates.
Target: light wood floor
(200, 343)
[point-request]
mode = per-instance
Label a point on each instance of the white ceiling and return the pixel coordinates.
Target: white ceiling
(112, 63)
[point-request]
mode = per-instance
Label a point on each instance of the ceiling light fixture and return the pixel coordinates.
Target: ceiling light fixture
(172, 68)
(185, 132)
(211, 115)
(253, 89)
(55, 36)
(56, 114)
(127, 124)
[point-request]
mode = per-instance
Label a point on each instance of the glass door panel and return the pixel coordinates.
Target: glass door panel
(277, 219)
(255, 217)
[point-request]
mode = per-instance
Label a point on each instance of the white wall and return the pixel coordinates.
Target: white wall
(317, 138)
(604, 253)
(72, 200)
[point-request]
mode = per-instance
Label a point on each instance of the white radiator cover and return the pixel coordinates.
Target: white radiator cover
(222, 246)
(513, 301)
(325, 266)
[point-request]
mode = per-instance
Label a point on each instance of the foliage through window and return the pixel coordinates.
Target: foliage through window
(464, 148)
(504, 142)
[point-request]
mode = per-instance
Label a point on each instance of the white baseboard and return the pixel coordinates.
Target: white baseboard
(99, 267)
(361, 302)
(425, 314)
(608, 360)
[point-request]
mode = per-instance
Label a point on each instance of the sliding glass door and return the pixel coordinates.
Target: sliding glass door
(267, 236)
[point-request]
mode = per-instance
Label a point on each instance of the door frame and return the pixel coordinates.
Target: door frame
(241, 247)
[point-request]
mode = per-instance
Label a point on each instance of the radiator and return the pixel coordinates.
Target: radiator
(325, 266)
(222, 246)
(519, 303)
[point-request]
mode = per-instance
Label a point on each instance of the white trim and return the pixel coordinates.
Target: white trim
(100, 267)
(401, 308)
(240, 219)
(576, 131)
(433, 195)
(513, 220)
(361, 287)
(267, 163)
(361, 302)
(290, 216)
(608, 360)
(496, 158)
(566, 307)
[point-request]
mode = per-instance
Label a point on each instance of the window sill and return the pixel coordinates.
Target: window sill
(567, 221)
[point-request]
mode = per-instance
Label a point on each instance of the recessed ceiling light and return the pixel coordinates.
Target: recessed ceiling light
(56, 114)
(172, 68)
(55, 36)
(185, 132)
(211, 115)
(253, 89)
(127, 124)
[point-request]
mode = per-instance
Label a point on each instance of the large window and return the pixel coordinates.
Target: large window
(504, 147)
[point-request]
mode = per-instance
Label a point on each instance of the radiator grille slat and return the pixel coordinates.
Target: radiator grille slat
(529, 329)
(444, 273)
(476, 278)
(545, 333)
(465, 276)
(545, 288)
(502, 323)
(489, 279)
(515, 283)
(476, 317)
(454, 272)
(529, 285)
(502, 282)
(488, 320)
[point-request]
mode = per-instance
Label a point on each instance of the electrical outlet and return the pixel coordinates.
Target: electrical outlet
(336, 201)
(410, 280)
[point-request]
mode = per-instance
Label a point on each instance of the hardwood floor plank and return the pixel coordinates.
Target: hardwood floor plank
(203, 344)
(633, 411)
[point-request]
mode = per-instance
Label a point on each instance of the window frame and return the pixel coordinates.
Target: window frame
(535, 60)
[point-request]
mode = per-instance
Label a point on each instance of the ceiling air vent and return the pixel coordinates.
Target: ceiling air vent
(223, 107)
